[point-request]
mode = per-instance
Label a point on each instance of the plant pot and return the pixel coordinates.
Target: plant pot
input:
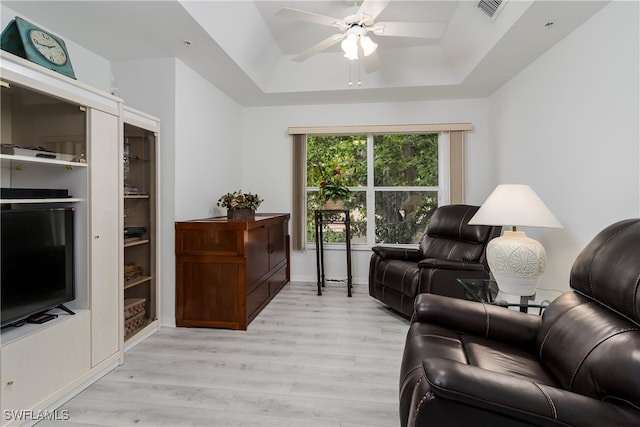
(333, 204)
(241, 214)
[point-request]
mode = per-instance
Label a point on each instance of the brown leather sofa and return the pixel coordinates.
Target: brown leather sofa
(472, 364)
(449, 249)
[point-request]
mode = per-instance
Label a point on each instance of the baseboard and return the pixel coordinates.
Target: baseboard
(312, 280)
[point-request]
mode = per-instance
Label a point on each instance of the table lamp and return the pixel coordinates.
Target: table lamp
(516, 261)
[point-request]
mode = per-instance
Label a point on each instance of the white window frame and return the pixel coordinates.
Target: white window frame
(442, 189)
(450, 188)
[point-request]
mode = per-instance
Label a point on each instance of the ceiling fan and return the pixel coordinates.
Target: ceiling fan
(354, 31)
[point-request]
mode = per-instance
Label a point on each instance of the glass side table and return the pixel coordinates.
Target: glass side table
(485, 290)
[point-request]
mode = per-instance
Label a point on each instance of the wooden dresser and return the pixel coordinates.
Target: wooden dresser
(227, 271)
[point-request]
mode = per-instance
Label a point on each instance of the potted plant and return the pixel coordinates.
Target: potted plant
(333, 190)
(240, 205)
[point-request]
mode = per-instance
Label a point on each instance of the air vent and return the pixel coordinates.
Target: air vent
(491, 7)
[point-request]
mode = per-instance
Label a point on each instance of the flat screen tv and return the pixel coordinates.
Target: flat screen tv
(37, 261)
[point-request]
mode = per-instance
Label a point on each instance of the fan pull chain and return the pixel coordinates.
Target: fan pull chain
(359, 83)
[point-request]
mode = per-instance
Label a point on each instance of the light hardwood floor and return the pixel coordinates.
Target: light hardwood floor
(306, 360)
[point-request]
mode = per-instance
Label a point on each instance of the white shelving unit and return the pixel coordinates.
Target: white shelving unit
(42, 365)
(140, 210)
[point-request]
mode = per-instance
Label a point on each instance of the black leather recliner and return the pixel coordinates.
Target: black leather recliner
(468, 363)
(449, 249)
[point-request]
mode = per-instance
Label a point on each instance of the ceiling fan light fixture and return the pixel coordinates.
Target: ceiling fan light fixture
(350, 46)
(351, 43)
(368, 45)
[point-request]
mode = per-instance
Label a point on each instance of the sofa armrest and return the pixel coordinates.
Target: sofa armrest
(490, 321)
(450, 265)
(520, 398)
(403, 254)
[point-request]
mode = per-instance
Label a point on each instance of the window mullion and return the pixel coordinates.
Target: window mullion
(371, 201)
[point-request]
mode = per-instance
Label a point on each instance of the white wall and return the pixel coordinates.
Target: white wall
(268, 159)
(568, 126)
(208, 156)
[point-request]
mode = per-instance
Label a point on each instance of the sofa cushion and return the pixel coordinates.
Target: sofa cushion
(449, 236)
(427, 340)
(590, 339)
(451, 249)
(498, 357)
(607, 270)
(590, 349)
(452, 221)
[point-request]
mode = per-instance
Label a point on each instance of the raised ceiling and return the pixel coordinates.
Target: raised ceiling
(245, 49)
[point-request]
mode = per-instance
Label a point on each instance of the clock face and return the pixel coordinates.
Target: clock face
(48, 47)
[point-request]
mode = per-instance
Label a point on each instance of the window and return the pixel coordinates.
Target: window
(394, 177)
(404, 188)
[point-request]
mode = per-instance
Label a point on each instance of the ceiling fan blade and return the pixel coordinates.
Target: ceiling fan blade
(425, 30)
(324, 44)
(371, 63)
(373, 8)
(302, 15)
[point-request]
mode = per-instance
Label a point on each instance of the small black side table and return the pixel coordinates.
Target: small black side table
(331, 216)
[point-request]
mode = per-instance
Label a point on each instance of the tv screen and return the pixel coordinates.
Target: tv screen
(37, 261)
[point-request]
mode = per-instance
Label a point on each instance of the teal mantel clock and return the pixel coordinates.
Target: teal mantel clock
(34, 44)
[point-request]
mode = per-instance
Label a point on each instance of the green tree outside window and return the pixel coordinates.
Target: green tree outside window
(404, 183)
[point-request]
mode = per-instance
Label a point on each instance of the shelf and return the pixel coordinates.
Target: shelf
(10, 158)
(13, 333)
(135, 158)
(136, 243)
(63, 200)
(137, 281)
(145, 323)
(139, 210)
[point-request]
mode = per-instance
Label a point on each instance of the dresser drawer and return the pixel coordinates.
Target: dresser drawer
(257, 298)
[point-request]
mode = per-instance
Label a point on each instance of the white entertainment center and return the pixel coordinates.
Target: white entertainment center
(43, 365)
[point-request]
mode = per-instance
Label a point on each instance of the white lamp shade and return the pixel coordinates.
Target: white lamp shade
(515, 260)
(515, 205)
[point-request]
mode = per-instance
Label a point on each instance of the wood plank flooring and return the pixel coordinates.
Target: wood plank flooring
(306, 360)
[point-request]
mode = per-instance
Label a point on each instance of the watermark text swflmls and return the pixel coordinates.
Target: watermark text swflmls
(31, 415)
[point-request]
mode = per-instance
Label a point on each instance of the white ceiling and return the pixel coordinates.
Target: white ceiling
(245, 50)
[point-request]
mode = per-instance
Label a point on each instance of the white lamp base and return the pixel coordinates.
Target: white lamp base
(516, 262)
